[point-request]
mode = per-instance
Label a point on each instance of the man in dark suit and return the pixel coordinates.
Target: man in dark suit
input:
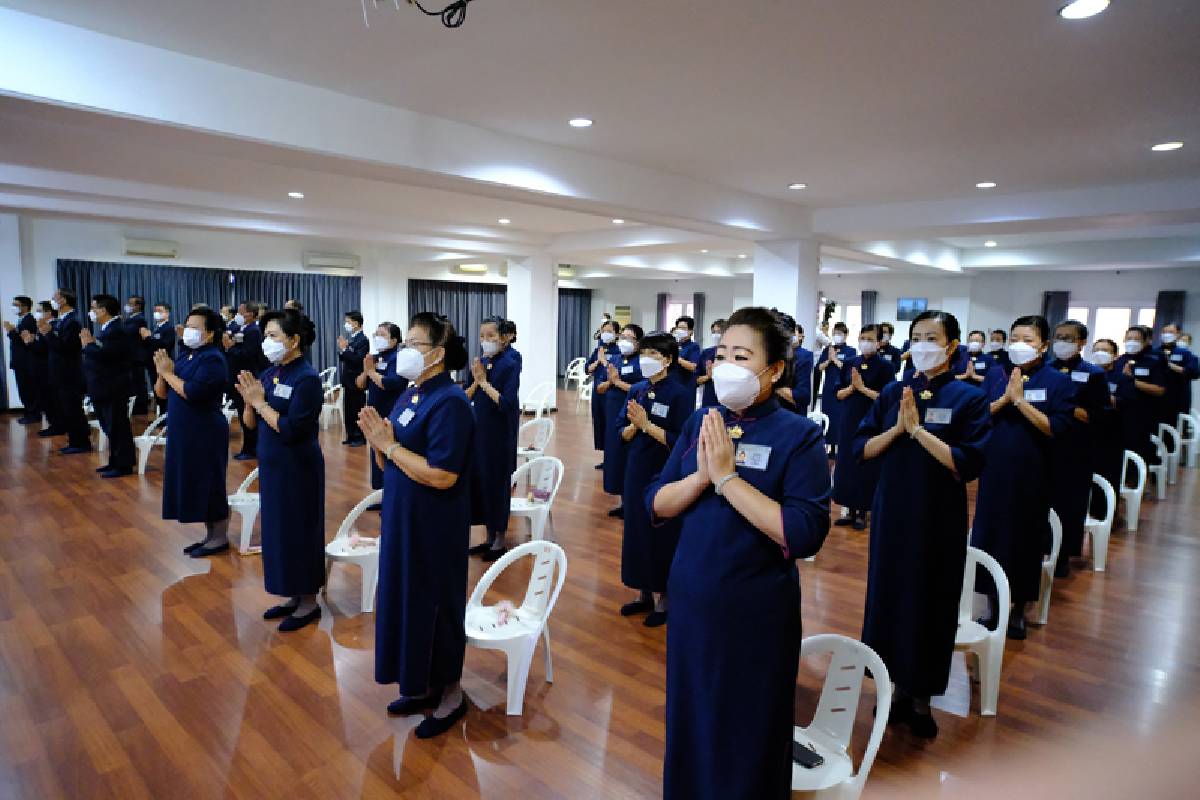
(21, 337)
(159, 337)
(134, 323)
(106, 359)
(65, 367)
(243, 351)
(352, 349)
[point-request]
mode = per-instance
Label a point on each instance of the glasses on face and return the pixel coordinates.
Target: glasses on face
(416, 344)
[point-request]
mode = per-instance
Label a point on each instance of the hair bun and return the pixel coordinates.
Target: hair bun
(456, 352)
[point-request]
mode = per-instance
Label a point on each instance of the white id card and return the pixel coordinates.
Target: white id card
(406, 416)
(1177, 357)
(1112, 387)
(1035, 395)
(754, 456)
(1079, 377)
(283, 391)
(938, 416)
(981, 365)
(887, 358)
(659, 410)
(1142, 372)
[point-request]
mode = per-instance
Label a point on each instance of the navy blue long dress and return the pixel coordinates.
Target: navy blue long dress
(495, 442)
(614, 406)
(1013, 505)
(688, 351)
(197, 440)
(918, 529)
(802, 380)
(983, 362)
(830, 405)
(603, 353)
(733, 645)
(854, 479)
(422, 599)
(647, 551)
(291, 482)
(1178, 398)
(1073, 457)
(383, 400)
(1139, 416)
(1108, 436)
(708, 395)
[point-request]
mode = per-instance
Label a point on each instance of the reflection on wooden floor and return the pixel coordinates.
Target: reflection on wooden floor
(129, 670)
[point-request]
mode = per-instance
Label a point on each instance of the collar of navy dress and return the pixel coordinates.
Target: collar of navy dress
(431, 383)
(754, 412)
(918, 380)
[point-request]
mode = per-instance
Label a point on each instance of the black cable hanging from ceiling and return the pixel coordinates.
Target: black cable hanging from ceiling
(452, 16)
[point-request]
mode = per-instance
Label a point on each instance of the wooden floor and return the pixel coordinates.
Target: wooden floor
(129, 670)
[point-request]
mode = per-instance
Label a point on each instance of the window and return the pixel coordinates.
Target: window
(676, 307)
(1146, 317)
(1111, 323)
(852, 316)
(1078, 313)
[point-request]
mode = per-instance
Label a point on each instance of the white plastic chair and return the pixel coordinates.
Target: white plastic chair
(1159, 471)
(1133, 496)
(518, 636)
(540, 399)
(821, 419)
(536, 434)
(1048, 564)
(987, 646)
(89, 409)
(833, 723)
(328, 377)
(331, 408)
(227, 409)
(1170, 438)
(542, 476)
(365, 556)
(585, 393)
(575, 372)
(1188, 426)
(246, 503)
(1101, 529)
(154, 435)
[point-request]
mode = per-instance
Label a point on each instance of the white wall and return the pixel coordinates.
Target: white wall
(721, 296)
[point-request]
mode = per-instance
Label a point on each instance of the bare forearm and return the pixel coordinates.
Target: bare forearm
(690, 366)
(936, 448)
(998, 405)
(759, 510)
(1150, 388)
(879, 443)
(628, 432)
(675, 498)
(842, 394)
(268, 415)
(418, 469)
(1039, 420)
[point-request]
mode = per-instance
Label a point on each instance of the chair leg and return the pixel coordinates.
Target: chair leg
(549, 660)
(143, 457)
(537, 525)
(1099, 548)
(370, 578)
(1133, 508)
(1043, 605)
(328, 569)
(989, 676)
(518, 675)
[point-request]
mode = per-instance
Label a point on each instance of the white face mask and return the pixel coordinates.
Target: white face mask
(737, 387)
(159, 316)
(822, 339)
(887, 337)
(795, 340)
(714, 338)
(680, 334)
(1133, 346)
(410, 363)
(992, 347)
(649, 366)
(1182, 345)
(839, 338)
(39, 315)
(273, 350)
(1168, 338)
(1020, 353)
(867, 347)
(974, 347)
(626, 347)
(128, 309)
(92, 316)
(381, 343)
(239, 320)
(608, 337)
(927, 355)
(1101, 358)
(489, 347)
(349, 326)
(1065, 350)
(194, 338)
(55, 304)
(18, 312)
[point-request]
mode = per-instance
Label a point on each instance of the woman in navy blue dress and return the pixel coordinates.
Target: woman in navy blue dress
(198, 436)
(597, 366)
(622, 372)
(1141, 365)
(424, 446)
(978, 362)
(383, 384)
(1030, 406)
(1109, 436)
(284, 405)
(493, 390)
(863, 378)
(687, 365)
(704, 367)
(928, 436)
(749, 481)
(657, 409)
(830, 364)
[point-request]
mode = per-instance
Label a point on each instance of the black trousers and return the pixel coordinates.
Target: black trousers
(249, 435)
(137, 383)
(30, 391)
(113, 414)
(69, 400)
(154, 400)
(353, 400)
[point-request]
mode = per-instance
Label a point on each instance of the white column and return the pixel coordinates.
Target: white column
(12, 283)
(785, 277)
(533, 306)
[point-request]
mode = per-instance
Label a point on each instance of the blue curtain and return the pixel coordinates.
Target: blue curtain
(1169, 309)
(180, 287)
(326, 299)
(1054, 307)
(465, 304)
(869, 299)
(574, 325)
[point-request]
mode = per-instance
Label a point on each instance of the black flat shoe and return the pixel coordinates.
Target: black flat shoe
(412, 705)
(29, 421)
(294, 623)
(244, 457)
(859, 524)
(493, 555)
(51, 432)
(201, 552)
(1017, 629)
(116, 473)
(74, 451)
(637, 607)
(923, 725)
(901, 712)
(375, 507)
(618, 512)
(436, 726)
(656, 619)
(281, 611)
(105, 468)
(844, 522)
(599, 466)
(479, 549)
(191, 548)
(359, 443)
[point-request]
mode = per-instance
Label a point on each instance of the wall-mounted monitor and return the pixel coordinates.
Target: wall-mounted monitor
(907, 308)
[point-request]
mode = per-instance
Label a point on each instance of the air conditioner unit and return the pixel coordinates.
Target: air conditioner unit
(328, 261)
(151, 248)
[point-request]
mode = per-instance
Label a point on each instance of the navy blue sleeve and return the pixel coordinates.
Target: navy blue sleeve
(975, 426)
(681, 409)
(875, 421)
(995, 384)
(1060, 406)
(805, 501)
(508, 384)
(304, 411)
(450, 427)
(672, 471)
(208, 381)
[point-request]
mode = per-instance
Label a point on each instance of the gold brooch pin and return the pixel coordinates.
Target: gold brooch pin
(650, 395)
(416, 399)
(863, 367)
(735, 432)
(276, 379)
(926, 395)
(1064, 370)
(489, 366)
(1025, 378)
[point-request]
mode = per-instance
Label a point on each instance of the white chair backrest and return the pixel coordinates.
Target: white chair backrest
(347, 526)
(536, 433)
(226, 403)
(585, 389)
(1165, 433)
(1160, 449)
(1188, 425)
(575, 368)
(1055, 536)
(542, 475)
(129, 408)
(838, 706)
(1110, 498)
(966, 602)
(540, 398)
(821, 419)
(327, 376)
(244, 486)
(539, 596)
(1139, 464)
(153, 428)
(333, 394)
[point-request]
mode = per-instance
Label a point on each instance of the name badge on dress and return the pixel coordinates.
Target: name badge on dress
(1079, 377)
(380, 366)
(1177, 357)
(627, 369)
(980, 365)
(1112, 387)
(239, 337)
(1035, 395)
(754, 456)
(938, 416)
(659, 410)
(887, 358)
(1142, 372)
(406, 416)
(283, 391)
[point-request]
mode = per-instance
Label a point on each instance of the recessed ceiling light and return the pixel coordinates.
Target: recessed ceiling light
(1082, 9)
(580, 122)
(618, 222)
(1166, 146)
(296, 195)
(986, 185)
(703, 251)
(504, 221)
(473, 267)
(741, 255)
(989, 243)
(797, 186)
